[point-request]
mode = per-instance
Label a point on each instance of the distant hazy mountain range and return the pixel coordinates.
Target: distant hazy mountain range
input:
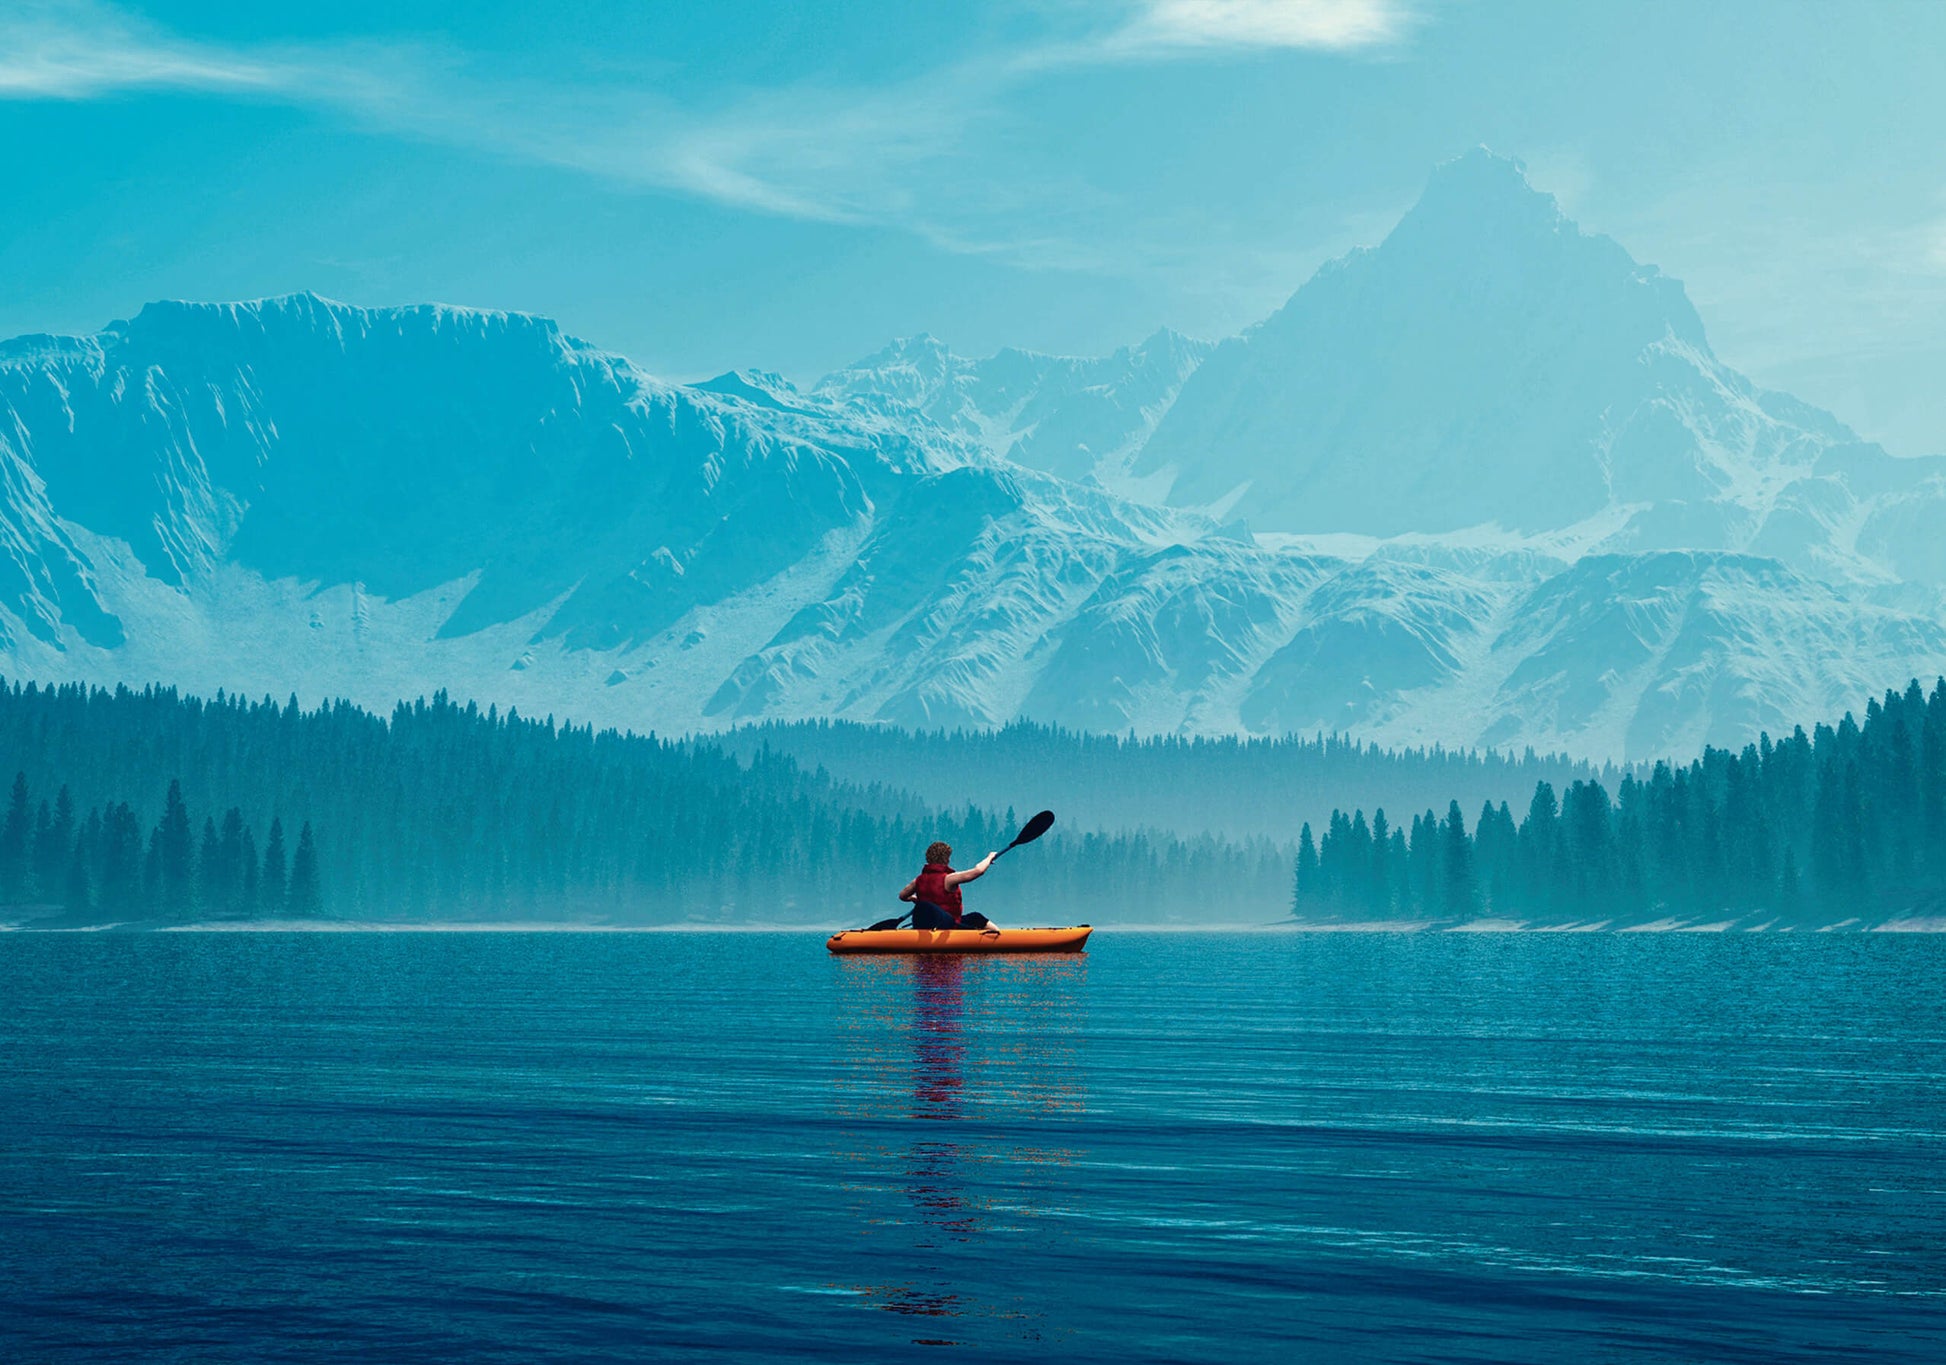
(1483, 483)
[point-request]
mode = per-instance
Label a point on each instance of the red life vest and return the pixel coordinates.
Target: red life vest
(930, 886)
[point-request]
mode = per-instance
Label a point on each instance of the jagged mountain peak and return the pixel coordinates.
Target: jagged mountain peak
(919, 343)
(926, 354)
(300, 323)
(376, 502)
(1487, 363)
(1070, 415)
(1498, 421)
(923, 351)
(1164, 348)
(1482, 187)
(1482, 255)
(766, 388)
(1486, 227)
(1168, 340)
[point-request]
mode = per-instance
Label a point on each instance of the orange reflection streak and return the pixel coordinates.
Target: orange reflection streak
(938, 1049)
(987, 1043)
(939, 1001)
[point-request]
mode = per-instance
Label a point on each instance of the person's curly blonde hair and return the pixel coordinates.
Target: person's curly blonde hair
(939, 852)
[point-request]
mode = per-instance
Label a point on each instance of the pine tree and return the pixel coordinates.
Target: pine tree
(1358, 863)
(152, 874)
(54, 844)
(121, 861)
(75, 902)
(1461, 897)
(14, 834)
(176, 847)
(1400, 873)
(271, 893)
(231, 859)
(1585, 843)
(209, 870)
(1932, 782)
(1539, 836)
(1380, 899)
(249, 899)
(40, 878)
(305, 899)
(1307, 872)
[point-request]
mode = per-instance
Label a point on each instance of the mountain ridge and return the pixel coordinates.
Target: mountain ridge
(303, 495)
(1488, 333)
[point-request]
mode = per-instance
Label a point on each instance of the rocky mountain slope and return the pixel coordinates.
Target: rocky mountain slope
(1491, 364)
(1067, 416)
(301, 495)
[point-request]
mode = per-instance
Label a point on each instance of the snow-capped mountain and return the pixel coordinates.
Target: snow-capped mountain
(298, 495)
(1490, 363)
(408, 449)
(1068, 416)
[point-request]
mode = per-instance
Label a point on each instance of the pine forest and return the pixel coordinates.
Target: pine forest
(151, 805)
(1843, 823)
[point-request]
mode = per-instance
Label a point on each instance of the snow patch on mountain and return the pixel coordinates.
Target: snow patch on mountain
(1491, 364)
(1075, 417)
(1512, 499)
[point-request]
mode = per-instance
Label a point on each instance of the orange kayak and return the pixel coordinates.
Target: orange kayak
(1069, 940)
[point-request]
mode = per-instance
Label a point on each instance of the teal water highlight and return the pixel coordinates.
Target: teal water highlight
(550, 1146)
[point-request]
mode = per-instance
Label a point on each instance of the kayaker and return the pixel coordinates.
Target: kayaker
(935, 893)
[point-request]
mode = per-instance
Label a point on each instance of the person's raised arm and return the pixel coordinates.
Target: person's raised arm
(973, 873)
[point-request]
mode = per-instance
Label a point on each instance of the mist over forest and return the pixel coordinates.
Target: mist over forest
(154, 808)
(1229, 787)
(445, 812)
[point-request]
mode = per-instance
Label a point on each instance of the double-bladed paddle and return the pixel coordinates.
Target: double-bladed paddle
(1029, 832)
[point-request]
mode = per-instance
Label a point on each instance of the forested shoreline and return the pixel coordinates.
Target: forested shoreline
(445, 811)
(1849, 820)
(153, 806)
(50, 857)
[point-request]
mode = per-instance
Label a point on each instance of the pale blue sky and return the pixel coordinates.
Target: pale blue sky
(788, 185)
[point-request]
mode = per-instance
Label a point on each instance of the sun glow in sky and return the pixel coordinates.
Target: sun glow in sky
(787, 186)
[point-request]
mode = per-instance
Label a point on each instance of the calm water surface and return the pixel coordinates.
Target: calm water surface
(516, 1147)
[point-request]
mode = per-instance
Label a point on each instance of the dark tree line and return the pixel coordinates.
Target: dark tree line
(1235, 788)
(102, 865)
(443, 810)
(1846, 820)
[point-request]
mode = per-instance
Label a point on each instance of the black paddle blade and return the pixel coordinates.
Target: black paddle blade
(885, 924)
(1034, 828)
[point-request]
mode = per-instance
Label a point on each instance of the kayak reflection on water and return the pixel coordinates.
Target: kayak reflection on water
(939, 1002)
(935, 1174)
(964, 1084)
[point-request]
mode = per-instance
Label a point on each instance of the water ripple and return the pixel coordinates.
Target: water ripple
(1176, 1147)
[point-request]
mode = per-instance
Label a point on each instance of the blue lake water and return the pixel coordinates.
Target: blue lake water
(551, 1146)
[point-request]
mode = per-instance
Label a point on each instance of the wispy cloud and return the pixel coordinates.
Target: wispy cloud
(1166, 26)
(1932, 246)
(80, 51)
(834, 154)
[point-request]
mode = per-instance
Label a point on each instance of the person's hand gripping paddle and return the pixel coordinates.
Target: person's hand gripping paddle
(1029, 832)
